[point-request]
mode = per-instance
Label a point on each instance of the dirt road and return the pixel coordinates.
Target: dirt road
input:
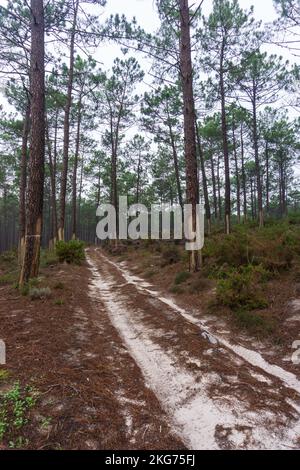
(211, 392)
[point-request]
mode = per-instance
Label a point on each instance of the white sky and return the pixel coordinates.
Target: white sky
(147, 17)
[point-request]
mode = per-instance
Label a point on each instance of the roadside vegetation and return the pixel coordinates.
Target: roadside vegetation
(237, 274)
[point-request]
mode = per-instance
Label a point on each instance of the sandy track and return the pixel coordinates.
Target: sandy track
(214, 395)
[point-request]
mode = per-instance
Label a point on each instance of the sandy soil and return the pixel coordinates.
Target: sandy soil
(120, 365)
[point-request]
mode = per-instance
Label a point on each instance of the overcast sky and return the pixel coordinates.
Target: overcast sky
(146, 15)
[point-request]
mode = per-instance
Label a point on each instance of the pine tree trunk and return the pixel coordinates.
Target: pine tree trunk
(34, 202)
(23, 182)
(75, 169)
(244, 176)
(204, 179)
(64, 176)
(219, 189)
(176, 165)
(237, 176)
(52, 170)
(267, 179)
(257, 164)
(138, 182)
(214, 185)
(225, 146)
(192, 189)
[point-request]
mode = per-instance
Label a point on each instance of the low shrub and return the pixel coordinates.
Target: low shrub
(71, 252)
(48, 258)
(240, 288)
(254, 322)
(182, 277)
(15, 406)
(171, 255)
(176, 290)
(39, 294)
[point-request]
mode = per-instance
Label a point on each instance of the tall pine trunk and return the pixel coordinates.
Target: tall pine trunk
(34, 201)
(204, 179)
(64, 176)
(75, 169)
(214, 185)
(257, 164)
(243, 176)
(237, 176)
(176, 165)
(52, 170)
(192, 189)
(23, 182)
(267, 178)
(225, 145)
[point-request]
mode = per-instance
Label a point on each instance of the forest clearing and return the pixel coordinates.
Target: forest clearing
(173, 322)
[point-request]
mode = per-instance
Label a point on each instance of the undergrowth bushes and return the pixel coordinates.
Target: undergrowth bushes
(71, 252)
(241, 288)
(274, 247)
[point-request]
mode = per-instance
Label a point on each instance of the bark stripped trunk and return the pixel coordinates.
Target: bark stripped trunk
(75, 169)
(204, 179)
(34, 202)
(23, 181)
(225, 144)
(192, 189)
(64, 176)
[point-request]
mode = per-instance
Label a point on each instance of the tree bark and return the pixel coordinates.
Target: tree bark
(214, 185)
(225, 145)
(267, 179)
(34, 202)
(75, 169)
(23, 182)
(244, 176)
(176, 165)
(192, 189)
(204, 178)
(64, 176)
(219, 189)
(257, 163)
(237, 176)
(52, 170)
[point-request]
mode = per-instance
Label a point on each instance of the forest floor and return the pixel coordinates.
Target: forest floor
(111, 360)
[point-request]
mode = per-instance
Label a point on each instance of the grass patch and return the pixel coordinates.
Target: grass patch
(4, 375)
(59, 302)
(9, 278)
(48, 258)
